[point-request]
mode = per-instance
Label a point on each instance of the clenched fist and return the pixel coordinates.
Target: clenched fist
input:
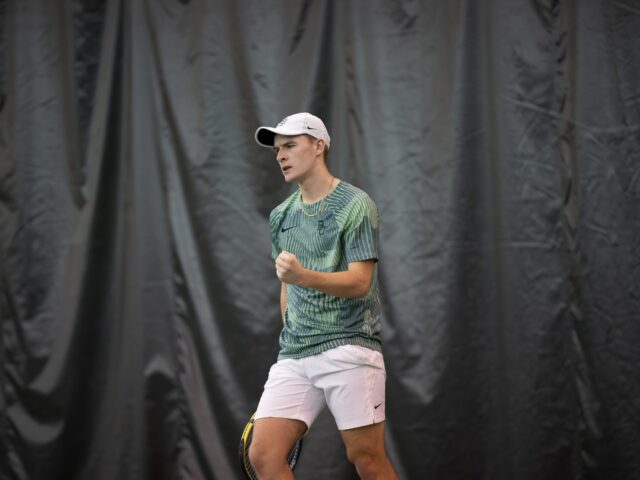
(288, 268)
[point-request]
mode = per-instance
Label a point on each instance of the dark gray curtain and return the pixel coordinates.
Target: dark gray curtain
(139, 304)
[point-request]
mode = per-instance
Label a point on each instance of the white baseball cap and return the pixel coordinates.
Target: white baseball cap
(297, 124)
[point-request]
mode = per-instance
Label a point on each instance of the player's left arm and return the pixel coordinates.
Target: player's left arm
(351, 283)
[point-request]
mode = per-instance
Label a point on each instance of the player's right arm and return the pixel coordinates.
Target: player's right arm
(283, 299)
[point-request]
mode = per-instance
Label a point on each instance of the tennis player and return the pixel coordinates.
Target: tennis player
(325, 246)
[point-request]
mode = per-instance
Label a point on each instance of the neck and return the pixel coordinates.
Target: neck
(316, 187)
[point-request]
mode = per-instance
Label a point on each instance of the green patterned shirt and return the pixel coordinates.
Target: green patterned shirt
(345, 230)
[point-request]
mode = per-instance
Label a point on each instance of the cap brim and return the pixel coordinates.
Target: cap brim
(265, 136)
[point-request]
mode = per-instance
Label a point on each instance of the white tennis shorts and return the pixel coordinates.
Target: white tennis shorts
(349, 379)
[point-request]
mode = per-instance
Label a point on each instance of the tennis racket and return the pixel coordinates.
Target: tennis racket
(245, 443)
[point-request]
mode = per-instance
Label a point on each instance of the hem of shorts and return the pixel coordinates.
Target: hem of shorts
(358, 341)
(351, 426)
(284, 417)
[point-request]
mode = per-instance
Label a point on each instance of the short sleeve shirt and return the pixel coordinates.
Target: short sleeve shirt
(341, 228)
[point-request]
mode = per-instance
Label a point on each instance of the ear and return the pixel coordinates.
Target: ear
(320, 146)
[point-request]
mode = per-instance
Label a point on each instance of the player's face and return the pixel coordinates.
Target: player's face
(297, 156)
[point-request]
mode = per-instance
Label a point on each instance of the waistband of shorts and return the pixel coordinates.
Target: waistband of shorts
(366, 342)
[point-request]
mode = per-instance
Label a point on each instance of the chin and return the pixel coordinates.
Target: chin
(290, 179)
